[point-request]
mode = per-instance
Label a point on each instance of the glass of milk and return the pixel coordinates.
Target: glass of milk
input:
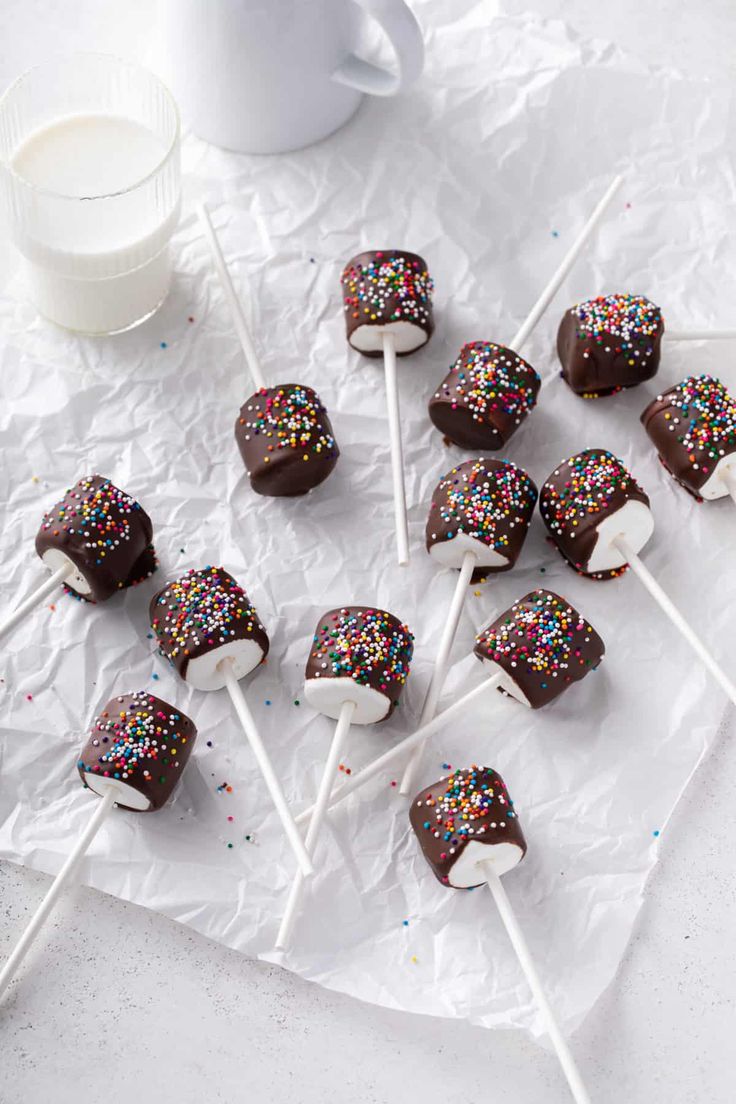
(89, 156)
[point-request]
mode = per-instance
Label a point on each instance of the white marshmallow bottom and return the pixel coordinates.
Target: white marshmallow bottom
(716, 486)
(54, 558)
(328, 695)
(127, 795)
(205, 673)
(407, 337)
(468, 871)
(451, 553)
(506, 682)
(633, 522)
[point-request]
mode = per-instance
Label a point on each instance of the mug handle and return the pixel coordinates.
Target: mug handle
(405, 35)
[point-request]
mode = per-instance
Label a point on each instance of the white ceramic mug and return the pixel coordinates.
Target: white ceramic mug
(266, 76)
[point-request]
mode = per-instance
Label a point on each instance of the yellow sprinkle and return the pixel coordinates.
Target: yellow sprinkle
(414, 958)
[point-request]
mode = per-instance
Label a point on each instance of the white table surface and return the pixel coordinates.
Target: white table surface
(193, 1021)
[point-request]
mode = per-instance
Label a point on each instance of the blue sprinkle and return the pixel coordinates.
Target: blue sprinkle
(655, 833)
(268, 702)
(154, 676)
(164, 345)
(555, 233)
(405, 923)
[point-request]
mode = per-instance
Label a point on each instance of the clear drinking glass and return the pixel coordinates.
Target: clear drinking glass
(89, 157)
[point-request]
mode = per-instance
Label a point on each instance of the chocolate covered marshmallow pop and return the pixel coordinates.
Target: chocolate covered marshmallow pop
(613, 342)
(284, 432)
(133, 758)
(478, 520)
(490, 389)
(599, 518)
(212, 636)
(693, 426)
(387, 298)
(470, 835)
(532, 652)
(357, 668)
(95, 542)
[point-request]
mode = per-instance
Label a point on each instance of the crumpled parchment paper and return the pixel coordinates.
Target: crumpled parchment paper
(488, 168)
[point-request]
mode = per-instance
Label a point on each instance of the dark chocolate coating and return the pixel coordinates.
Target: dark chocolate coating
(693, 426)
(202, 611)
(608, 343)
(387, 285)
(578, 495)
(468, 806)
(142, 741)
(104, 532)
(543, 644)
(490, 500)
(365, 644)
(484, 397)
(286, 440)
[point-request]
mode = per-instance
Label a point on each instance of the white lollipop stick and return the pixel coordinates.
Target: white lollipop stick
(398, 751)
(700, 335)
(515, 934)
(342, 729)
(264, 765)
(34, 599)
(667, 607)
(544, 300)
(104, 805)
(239, 322)
(440, 664)
(397, 452)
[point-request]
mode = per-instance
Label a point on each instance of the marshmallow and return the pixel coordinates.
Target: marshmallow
(139, 745)
(483, 507)
(102, 534)
(362, 655)
(387, 291)
(586, 503)
(465, 820)
(539, 647)
(286, 440)
(203, 619)
(485, 396)
(608, 343)
(693, 426)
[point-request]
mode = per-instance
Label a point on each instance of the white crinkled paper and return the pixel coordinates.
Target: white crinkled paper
(488, 168)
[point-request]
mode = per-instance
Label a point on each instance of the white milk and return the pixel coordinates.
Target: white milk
(98, 260)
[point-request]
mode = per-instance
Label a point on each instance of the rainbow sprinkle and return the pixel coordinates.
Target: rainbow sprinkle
(367, 645)
(204, 606)
(287, 417)
(475, 801)
(541, 634)
(485, 500)
(706, 423)
(390, 287)
(490, 379)
(140, 739)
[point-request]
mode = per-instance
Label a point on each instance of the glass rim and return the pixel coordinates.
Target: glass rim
(132, 65)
